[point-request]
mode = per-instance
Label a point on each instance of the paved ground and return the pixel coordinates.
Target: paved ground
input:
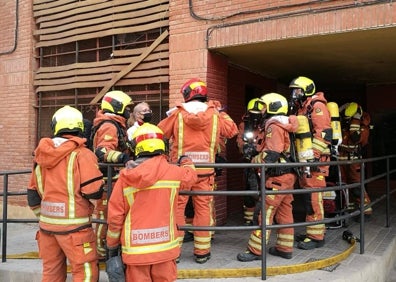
(376, 264)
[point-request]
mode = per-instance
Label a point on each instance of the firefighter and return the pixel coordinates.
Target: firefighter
(276, 150)
(142, 210)
(65, 178)
(110, 145)
(313, 105)
(195, 128)
(220, 158)
(250, 141)
(355, 124)
(141, 113)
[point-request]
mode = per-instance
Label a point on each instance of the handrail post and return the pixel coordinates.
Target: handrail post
(387, 192)
(5, 219)
(263, 226)
(362, 207)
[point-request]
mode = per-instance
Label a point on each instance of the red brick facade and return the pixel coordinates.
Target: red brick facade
(17, 111)
(195, 28)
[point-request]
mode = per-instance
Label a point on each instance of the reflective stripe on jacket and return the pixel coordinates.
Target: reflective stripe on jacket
(195, 129)
(142, 210)
(62, 176)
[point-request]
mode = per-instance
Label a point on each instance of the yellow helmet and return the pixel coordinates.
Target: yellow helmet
(255, 106)
(67, 120)
(276, 104)
(304, 83)
(148, 140)
(351, 109)
(115, 102)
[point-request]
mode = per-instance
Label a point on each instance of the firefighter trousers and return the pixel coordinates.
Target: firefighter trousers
(79, 248)
(164, 272)
(278, 207)
(314, 204)
(203, 214)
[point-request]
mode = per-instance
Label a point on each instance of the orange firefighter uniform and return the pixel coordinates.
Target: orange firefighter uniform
(276, 148)
(355, 136)
(256, 142)
(65, 176)
(195, 129)
(110, 146)
(142, 217)
(315, 109)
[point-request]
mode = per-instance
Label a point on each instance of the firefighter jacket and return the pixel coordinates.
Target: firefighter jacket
(110, 140)
(142, 210)
(195, 129)
(65, 176)
(355, 135)
(277, 146)
(315, 109)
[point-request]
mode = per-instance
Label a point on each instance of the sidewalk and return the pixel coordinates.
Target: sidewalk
(374, 265)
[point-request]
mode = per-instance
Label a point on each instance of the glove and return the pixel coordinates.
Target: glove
(123, 158)
(115, 269)
(113, 251)
(249, 151)
(314, 168)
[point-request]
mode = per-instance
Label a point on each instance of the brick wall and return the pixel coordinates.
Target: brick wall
(195, 29)
(17, 114)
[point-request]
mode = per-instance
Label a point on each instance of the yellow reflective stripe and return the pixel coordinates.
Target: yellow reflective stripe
(39, 180)
(112, 234)
(319, 145)
(286, 236)
(180, 135)
(113, 156)
(71, 200)
(316, 229)
(64, 221)
(214, 137)
(285, 244)
(150, 248)
(255, 240)
(129, 195)
(70, 185)
(161, 184)
(172, 199)
(87, 272)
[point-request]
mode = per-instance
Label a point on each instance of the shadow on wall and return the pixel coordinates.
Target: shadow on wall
(383, 139)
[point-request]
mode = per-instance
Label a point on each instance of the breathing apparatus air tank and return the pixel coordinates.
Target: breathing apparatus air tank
(304, 142)
(335, 124)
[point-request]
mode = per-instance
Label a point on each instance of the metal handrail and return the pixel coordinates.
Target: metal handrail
(262, 191)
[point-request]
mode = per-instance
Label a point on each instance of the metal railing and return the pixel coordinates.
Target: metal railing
(262, 192)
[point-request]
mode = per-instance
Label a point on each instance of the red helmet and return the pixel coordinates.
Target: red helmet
(194, 89)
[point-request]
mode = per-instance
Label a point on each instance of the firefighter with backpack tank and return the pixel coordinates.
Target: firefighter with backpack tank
(110, 145)
(277, 143)
(64, 182)
(305, 101)
(195, 128)
(355, 124)
(250, 141)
